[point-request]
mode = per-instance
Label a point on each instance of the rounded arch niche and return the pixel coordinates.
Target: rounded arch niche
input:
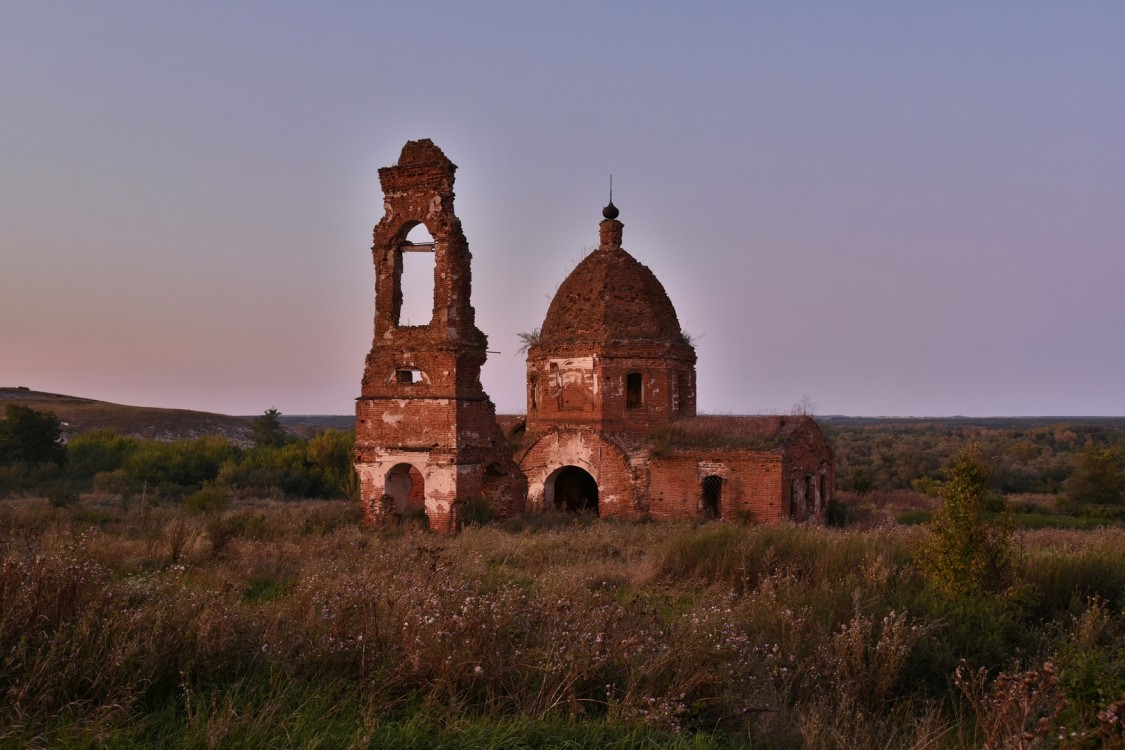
(405, 484)
(571, 488)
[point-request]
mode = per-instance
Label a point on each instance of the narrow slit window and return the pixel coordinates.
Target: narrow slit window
(634, 386)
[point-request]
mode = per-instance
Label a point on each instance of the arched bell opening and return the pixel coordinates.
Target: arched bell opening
(572, 489)
(415, 280)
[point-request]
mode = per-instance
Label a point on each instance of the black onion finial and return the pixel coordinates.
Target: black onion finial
(610, 211)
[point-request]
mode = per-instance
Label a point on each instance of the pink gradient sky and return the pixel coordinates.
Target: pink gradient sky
(895, 209)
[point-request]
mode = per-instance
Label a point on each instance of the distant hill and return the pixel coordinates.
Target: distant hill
(307, 425)
(79, 415)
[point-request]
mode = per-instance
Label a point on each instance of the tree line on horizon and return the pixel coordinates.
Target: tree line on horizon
(204, 472)
(1081, 464)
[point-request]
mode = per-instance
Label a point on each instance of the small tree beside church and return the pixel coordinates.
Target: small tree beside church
(967, 554)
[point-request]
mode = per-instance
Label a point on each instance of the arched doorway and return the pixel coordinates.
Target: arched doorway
(572, 489)
(405, 484)
(712, 496)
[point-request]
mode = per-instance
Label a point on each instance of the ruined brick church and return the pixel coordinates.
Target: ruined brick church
(611, 423)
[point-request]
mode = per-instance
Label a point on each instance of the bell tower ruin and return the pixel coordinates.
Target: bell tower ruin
(427, 438)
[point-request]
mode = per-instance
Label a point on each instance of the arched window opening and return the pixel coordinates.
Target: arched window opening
(404, 483)
(712, 499)
(634, 383)
(823, 489)
(416, 281)
(572, 489)
(810, 495)
(793, 498)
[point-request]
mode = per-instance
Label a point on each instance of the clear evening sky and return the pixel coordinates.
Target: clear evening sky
(894, 208)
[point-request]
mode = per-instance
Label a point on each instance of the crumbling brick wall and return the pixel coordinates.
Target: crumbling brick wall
(749, 485)
(611, 355)
(421, 403)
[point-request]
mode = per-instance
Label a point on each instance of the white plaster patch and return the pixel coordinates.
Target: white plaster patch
(578, 363)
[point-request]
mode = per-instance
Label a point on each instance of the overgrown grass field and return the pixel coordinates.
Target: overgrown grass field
(288, 625)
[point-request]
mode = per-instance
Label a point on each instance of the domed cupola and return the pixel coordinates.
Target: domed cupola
(611, 297)
(610, 352)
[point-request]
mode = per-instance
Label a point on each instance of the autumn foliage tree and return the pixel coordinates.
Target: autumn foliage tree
(1098, 478)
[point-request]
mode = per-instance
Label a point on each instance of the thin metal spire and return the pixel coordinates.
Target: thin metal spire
(610, 211)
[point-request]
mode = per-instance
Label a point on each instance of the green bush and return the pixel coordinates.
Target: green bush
(476, 512)
(982, 630)
(116, 483)
(211, 499)
(927, 486)
(96, 452)
(1090, 656)
(331, 453)
(184, 463)
(285, 468)
(966, 554)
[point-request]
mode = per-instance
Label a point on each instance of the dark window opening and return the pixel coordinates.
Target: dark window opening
(810, 495)
(408, 376)
(712, 496)
(575, 490)
(633, 386)
(793, 497)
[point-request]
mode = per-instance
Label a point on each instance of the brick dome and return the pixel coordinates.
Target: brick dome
(611, 297)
